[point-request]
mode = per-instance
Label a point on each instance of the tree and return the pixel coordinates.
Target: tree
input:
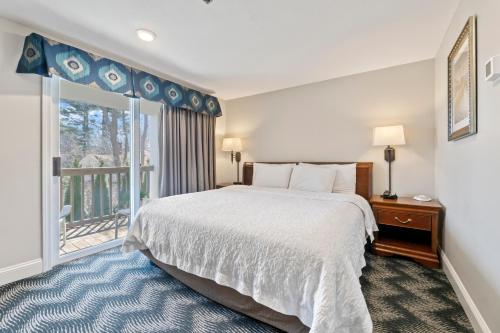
(98, 194)
(144, 136)
(115, 144)
(85, 132)
(96, 132)
(124, 191)
(125, 124)
(77, 193)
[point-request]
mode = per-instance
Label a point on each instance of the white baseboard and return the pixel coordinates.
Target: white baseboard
(20, 271)
(475, 317)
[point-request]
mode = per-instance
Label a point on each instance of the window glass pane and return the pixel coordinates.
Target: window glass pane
(149, 117)
(95, 151)
(93, 135)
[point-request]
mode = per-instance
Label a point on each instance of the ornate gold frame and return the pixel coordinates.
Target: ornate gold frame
(468, 31)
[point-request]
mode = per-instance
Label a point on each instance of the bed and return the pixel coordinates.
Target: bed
(291, 259)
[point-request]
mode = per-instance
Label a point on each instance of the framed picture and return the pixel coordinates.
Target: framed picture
(462, 80)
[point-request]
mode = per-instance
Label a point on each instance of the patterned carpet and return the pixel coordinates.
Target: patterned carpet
(112, 292)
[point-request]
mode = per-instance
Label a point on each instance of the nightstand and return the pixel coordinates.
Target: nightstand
(221, 185)
(409, 228)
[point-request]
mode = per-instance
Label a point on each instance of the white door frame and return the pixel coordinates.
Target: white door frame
(50, 183)
(135, 156)
(50, 148)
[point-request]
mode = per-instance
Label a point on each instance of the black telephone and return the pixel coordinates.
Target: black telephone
(388, 195)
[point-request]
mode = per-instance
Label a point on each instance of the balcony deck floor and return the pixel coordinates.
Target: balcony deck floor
(86, 241)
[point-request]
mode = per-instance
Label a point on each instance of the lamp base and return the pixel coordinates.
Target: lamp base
(389, 154)
(389, 195)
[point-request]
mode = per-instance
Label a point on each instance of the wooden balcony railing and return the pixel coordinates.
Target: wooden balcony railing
(96, 194)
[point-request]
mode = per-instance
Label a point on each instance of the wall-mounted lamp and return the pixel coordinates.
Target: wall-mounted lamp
(234, 146)
(387, 136)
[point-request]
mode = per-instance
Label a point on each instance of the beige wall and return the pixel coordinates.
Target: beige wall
(333, 121)
(20, 158)
(222, 167)
(467, 171)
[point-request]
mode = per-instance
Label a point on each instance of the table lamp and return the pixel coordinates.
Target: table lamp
(387, 136)
(234, 146)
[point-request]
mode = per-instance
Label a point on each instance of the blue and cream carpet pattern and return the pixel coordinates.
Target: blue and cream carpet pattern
(115, 292)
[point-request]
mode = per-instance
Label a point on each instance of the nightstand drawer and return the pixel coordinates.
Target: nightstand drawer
(404, 219)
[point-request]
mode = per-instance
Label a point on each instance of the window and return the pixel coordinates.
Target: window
(96, 147)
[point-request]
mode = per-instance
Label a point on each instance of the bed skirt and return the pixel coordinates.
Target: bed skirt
(233, 299)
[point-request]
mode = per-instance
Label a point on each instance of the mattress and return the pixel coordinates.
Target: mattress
(297, 253)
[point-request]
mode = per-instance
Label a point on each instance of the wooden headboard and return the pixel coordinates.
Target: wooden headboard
(363, 175)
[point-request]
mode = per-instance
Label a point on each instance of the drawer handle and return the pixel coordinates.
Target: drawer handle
(404, 222)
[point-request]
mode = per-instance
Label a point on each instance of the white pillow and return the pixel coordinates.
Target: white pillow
(313, 179)
(345, 179)
(271, 175)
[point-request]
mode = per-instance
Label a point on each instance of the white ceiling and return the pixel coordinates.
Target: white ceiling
(244, 47)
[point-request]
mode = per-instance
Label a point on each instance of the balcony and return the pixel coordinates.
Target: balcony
(96, 205)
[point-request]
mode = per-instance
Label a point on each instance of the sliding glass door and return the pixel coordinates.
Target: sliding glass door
(104, 160)
(149, 150)
(94, 149)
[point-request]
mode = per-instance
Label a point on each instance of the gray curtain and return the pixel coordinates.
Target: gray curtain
(187, 151)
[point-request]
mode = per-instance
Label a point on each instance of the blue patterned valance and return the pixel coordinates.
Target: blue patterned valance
(46, 57)
(155, 89)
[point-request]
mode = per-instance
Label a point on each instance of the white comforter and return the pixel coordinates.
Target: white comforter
(298, 253)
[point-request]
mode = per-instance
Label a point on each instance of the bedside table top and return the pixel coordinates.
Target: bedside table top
(405, 202)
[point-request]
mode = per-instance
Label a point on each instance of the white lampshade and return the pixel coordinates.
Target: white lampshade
(389, 136)
(231, 144)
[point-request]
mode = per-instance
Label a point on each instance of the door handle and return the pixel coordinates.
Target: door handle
(404, 222)
(56, 166)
